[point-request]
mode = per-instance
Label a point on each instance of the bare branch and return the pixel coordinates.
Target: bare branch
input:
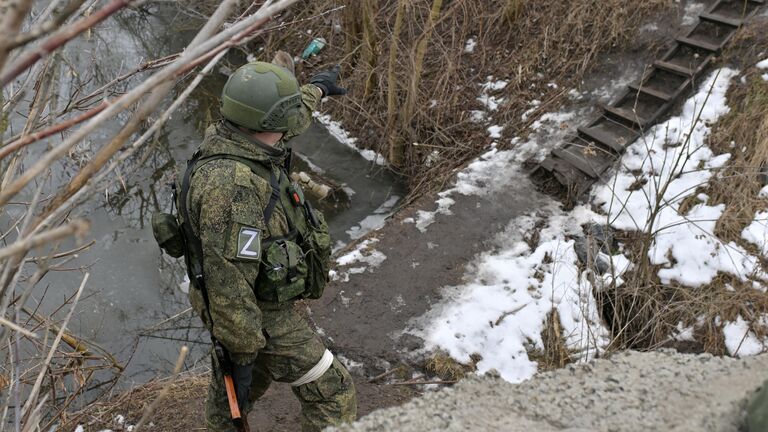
(128, 99)
(15, 327)
(46, 27)
(78, 227)
(38, 382)
(12, 13)
(60, 39)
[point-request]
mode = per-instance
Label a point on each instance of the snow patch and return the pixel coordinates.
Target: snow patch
(477, 116)
(763, 64)
(350, 364)
(684, 334)
(692, 12)
(740, 340)
(343, 136)
(491, 102)
(364, 255)
(557, 118)
(673, 159)
(574, 94)
(469, 47)
(757, 232)
(495, 131)
(502, 312)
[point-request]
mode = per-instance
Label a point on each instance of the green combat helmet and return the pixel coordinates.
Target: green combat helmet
(263, 97)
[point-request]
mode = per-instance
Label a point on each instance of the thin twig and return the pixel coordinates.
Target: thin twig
(38, 382)
(164, 392)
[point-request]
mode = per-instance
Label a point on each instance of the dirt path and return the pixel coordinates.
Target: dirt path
(658, 391)
(365, 313)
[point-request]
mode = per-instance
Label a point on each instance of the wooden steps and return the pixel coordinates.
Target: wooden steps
(578, 163)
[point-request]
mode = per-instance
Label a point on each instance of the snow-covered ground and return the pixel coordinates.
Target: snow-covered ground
(336, 129)
(501, 311)
(763, 65)
(364, 257)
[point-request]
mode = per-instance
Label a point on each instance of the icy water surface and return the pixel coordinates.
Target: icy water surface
(133, 290)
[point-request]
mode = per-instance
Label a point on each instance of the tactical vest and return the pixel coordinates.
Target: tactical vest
(292, 266)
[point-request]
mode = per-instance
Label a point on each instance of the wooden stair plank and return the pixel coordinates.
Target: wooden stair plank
(697, 43)
(671, 67)
(719, 19)
(666, 97)
(580, 162)
(607, 139)
(628, 116)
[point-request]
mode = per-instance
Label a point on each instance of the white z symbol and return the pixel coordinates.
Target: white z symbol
(253, 235)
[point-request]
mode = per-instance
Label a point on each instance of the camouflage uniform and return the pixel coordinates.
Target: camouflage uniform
(225, 196)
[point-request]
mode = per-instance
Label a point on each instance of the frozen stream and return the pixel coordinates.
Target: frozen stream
(132, 287)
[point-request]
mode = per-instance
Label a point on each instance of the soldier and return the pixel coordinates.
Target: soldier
(252, 227)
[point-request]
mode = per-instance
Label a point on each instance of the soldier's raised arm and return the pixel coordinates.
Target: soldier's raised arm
(230, 227)
(310, 99)
(321, 85)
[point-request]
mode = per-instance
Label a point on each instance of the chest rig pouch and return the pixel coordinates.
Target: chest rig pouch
(298, 264)
(283, 272)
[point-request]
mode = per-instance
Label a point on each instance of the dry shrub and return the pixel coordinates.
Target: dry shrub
(527, 43)
(180, 411)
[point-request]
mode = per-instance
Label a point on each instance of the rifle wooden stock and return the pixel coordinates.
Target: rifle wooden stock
(234, 409)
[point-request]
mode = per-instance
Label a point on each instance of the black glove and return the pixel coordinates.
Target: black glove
(327, 82)
(242, 375)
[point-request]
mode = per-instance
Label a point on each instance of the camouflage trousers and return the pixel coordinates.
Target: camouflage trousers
(292, 349)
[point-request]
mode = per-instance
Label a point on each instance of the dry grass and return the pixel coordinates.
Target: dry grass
(448, 369)
(555, 353)
(744, 134)
(527, 43)
(181, 412)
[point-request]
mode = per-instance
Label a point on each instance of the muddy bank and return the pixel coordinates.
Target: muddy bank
(658, 391)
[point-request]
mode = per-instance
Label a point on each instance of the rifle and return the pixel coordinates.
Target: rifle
(241, 423)
(195, 273)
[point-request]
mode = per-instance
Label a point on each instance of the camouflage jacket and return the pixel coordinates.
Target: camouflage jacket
(226, 206)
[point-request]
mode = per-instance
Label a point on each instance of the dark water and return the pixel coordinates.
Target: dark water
(133, 289)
